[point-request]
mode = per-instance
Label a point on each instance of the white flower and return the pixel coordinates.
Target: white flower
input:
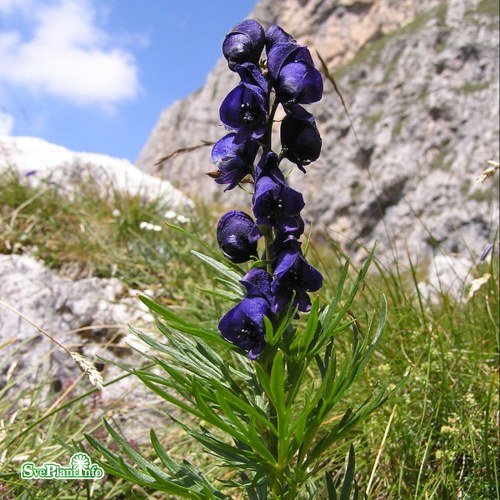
(149, 227)
(181, 219)
(477, 284)
(170, 214)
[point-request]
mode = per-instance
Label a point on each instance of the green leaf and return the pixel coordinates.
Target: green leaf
(219, 267)
(330, 487)
(244, 407)
(378, 332)
(277, 383)
(263, 379)
(221, 294)
(186, 473)
(302, 341)
(260, 263)
(349, 475)
(270, 338)
(117, 467)
(328, 313)
(330, 318)
(235, 457)
(166, 459)
(230, 414)
(167, 396)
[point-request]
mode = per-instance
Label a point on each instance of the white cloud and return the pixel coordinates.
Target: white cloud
(7, 5)
(68, 55)
(6, 123)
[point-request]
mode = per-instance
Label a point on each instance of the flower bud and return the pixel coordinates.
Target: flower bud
(244, 43)
(236, 236)
(300, 138)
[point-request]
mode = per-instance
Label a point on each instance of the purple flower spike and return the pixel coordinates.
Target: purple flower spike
(245, 108)
(300, 138)
(233, 159)
(244, 325)
(234, 232)
(278, 205)
(244, 43)
(294, 274)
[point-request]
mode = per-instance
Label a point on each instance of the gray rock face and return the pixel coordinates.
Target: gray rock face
(421, 82)
(88, 316)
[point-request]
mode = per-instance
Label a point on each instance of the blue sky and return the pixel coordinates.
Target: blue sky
(94, 75)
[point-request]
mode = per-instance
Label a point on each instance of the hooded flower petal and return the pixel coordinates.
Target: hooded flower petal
(233, 235)
(293, 274)
(258, 284)
(291, 69)
(234, 159)
(252, 74)
(299, 83)
(300, 138)
(278, 205)
(274, 35)
(244, 43)
(245, 107)
(244, 325)
(267, 165)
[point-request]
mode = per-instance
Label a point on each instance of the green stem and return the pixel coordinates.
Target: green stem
(267, 357)
(267, 139)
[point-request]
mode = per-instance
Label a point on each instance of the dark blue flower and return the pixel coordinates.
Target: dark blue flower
(252, 74)
(292, 70)
(267, 165)
(257, 283)
(245, 109)
(234, 159)
(293, 275)
(244, 325)
(281, 49)
(300, 139)
(278, 205)
(298, 83)
(236, 236)
(244, 43)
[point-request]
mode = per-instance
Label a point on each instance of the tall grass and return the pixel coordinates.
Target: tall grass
(435, 438)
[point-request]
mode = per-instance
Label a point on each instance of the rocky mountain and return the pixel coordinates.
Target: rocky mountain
(421, 82)
(40, 163)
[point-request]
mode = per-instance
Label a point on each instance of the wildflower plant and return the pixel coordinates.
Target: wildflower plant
(266, 386)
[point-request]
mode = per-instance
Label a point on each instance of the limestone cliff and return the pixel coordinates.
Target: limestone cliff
(420, 79)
